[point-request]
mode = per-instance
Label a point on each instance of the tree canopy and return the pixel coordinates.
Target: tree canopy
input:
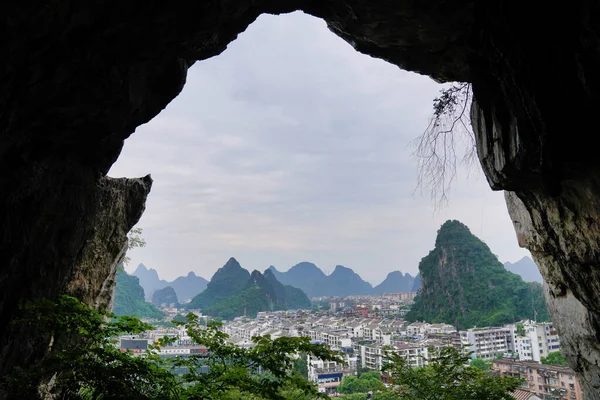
(554, 358)
(447, 377)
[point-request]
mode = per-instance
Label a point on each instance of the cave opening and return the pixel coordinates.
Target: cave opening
(291, 146)
(78, 78)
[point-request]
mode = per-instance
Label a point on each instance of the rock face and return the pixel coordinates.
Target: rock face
(77, 78)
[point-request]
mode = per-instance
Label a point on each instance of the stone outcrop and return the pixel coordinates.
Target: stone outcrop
(77, 78)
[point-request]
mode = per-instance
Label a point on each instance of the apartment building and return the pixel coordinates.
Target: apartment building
(374, 355)
(535, 340)
(549, 382)
(489, 342)
(329, 374)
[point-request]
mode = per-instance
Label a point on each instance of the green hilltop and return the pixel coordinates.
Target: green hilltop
(233, 292)
(129, 298)
(463, 283)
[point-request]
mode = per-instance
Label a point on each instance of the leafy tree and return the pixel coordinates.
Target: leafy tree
(480, 363)
(301, 366)
(554, 358)
(367, 382)
(447, 377)
(134, 241)
(264, 370)
(89, 366)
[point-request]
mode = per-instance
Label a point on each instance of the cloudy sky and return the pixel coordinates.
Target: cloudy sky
(291, 146)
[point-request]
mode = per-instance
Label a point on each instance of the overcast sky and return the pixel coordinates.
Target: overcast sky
(291, 146)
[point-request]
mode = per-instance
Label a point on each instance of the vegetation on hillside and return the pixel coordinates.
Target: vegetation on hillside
(229, 280)
(165, 296)
(464, 284)
(129, 298)
(259, 292)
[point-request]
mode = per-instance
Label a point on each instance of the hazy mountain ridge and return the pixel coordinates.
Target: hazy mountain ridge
(343, 281)
(186, 287)
(526, 268)
(395, 282)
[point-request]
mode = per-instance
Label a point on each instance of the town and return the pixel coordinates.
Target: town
(366, 328)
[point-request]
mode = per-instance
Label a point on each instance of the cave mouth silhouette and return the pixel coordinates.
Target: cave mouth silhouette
(78, 78)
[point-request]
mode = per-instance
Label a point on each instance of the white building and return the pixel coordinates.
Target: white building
(534, 340)
(329, 374)
(489, 342)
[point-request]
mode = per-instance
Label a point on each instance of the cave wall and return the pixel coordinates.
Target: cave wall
(536, 91)
(77, 78)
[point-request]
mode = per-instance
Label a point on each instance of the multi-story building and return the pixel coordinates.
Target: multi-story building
(374, 356)
(535, 340)
(329, 374)
(489, 342)
(549, 382)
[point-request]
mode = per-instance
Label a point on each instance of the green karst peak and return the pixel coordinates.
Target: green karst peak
(463, 283)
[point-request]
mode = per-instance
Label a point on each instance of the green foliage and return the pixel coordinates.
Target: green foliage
(134, 241)
(84, 358)
(554, 358)
(227, 281)
(301, 366)
(480, 363)
(381, 395)
(179, 318)
(265, 370)
(88, 366)
(367, 382)
(242, 294)
(129, 298)
(464, 284)
(446, 377)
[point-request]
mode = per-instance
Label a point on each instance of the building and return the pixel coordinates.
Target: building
(550, 382)
(328, 375)
(489, 342)
(535, 340)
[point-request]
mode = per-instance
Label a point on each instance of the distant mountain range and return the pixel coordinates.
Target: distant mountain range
(342, 282)
(186, 287)
(233, 291)
(527, 268)
(395, 282)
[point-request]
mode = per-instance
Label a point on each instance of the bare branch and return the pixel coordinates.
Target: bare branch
(447, 136)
